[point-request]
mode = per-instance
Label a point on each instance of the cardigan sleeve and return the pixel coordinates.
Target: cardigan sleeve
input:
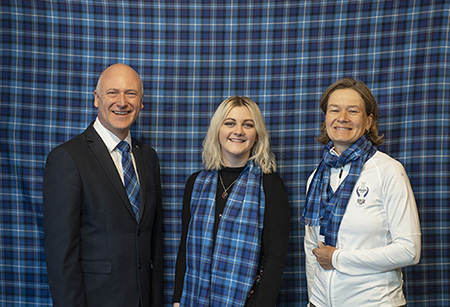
(275, 241)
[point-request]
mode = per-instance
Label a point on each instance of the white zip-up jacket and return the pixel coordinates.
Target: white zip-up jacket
(379, 234)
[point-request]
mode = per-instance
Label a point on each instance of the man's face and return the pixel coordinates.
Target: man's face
(118, 99)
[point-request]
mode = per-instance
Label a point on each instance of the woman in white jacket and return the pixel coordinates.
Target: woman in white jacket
(360, 217)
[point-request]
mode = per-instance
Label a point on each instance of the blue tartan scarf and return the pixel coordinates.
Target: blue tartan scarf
(223, 273)
(325, 208)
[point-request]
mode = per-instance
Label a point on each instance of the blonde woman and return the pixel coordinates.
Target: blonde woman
(235, 220)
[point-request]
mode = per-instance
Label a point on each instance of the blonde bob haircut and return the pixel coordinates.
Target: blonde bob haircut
(260, 152)
(370, 106)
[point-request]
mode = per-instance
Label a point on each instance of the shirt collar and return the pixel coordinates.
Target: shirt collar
(334, 152)
(109, 138)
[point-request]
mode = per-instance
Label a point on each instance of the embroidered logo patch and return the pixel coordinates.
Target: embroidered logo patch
(362, 191)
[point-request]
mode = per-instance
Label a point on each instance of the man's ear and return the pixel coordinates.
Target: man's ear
(96, 98)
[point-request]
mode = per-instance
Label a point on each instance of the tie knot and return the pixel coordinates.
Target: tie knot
(124, 147)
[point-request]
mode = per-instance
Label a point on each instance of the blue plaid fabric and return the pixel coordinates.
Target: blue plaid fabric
(129, 177)
(191, 55)
(221, 272)
(324, 206)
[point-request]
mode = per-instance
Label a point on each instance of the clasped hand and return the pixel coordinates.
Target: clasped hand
(324, 255)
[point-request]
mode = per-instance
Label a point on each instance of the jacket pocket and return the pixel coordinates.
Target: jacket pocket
(93, 266)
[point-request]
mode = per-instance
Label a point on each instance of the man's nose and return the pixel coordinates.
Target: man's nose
(122, 99)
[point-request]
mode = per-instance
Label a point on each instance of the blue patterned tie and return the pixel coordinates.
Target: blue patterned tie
(129, 177)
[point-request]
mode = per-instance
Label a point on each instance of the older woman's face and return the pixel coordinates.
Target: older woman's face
(346, 119)
(237, 135)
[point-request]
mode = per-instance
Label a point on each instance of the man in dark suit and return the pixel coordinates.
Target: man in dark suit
(102, 218)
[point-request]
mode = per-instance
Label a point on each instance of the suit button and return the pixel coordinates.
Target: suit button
(139, 233)
(139, 266)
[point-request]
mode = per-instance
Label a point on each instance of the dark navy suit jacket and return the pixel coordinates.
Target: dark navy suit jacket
(97, 253)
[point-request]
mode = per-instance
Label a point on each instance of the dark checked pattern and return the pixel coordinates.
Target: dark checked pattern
(129, 177)
(192, 55)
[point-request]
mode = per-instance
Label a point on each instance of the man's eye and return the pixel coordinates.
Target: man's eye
(132, 95)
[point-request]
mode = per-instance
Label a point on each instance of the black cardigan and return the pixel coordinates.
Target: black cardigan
(275, 235)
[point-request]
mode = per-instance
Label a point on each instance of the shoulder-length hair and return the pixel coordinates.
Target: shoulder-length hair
(370, 106)
(260, 152)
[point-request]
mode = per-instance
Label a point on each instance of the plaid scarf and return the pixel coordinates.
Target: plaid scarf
(223, 273)
(325, 208)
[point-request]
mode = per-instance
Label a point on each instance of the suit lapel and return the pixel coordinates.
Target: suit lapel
(104, 158)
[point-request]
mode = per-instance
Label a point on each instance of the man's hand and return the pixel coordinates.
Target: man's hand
(324, 255)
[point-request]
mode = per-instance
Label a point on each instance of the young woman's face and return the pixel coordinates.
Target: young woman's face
(237, 135)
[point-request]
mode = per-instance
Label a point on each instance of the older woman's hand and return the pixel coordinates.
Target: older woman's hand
(324, 255)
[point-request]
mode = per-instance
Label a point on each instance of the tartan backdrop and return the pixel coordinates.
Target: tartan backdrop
(192, 55)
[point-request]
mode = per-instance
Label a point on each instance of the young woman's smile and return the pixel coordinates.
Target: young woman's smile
(237, 135)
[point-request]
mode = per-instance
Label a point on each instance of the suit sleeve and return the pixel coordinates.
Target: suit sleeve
(157, 248)
(62, 209)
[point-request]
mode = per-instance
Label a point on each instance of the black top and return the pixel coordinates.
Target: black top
(275, 235)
